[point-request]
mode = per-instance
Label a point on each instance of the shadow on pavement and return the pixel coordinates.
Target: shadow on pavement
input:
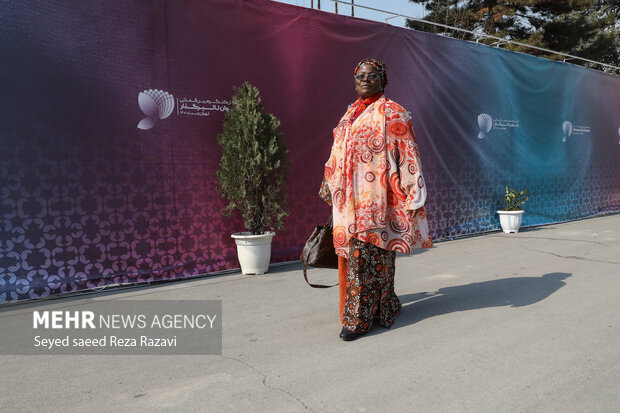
(515, 292)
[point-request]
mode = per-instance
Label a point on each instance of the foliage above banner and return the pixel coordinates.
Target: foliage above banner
(587, 28)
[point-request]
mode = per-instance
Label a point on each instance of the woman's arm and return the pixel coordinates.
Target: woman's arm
(409, 164)
(325, 193)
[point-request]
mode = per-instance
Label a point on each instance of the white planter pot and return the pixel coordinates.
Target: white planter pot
(253, 251)
(510, 220)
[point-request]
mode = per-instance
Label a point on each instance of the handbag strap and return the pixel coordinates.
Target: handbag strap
(315, 285)
(330, 224)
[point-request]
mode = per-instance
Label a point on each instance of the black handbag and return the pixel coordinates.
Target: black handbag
(319, 251)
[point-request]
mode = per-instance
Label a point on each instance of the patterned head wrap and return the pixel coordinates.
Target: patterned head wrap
(380, 66)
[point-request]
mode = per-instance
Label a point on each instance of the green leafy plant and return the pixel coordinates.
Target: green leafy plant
(253, 167)
(515, 199)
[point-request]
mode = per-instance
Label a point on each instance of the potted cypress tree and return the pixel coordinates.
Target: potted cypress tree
(252, 176)
(510, 217)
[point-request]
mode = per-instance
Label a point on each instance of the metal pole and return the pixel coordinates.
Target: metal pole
(352, 8)
(336, 8)
(318, 4)
(312, 4)
(479, 36)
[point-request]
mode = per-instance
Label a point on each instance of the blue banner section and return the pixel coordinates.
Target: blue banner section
(499, 118)
(110, 112)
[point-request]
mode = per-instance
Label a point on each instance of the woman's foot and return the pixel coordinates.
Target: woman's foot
(346, 335)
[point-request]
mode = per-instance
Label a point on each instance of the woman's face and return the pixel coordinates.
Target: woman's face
(367, 87)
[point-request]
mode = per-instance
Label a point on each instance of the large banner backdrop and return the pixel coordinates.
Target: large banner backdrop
(109, 113)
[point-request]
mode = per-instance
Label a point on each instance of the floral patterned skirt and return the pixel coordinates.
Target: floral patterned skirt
(368, 289)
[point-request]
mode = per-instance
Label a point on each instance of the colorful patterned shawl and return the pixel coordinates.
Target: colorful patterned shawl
(375, 178)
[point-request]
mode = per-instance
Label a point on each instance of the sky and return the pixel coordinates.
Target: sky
(398, 6)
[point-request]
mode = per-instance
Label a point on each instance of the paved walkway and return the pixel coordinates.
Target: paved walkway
(526, 322)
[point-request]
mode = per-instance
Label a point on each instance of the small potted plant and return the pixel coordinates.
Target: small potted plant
(510, 217)
(252, 176)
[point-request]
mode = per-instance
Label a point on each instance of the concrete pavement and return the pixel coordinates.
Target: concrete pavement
(526, 322)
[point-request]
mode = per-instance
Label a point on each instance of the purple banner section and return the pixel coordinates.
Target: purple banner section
(110, 111)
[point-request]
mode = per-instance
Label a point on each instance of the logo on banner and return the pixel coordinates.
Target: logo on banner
(158, 104)
(197, 107)
(486, 123)
(569, 129)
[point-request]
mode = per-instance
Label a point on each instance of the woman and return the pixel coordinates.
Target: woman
(373, 180)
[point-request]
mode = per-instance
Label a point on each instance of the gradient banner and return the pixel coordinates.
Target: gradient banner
(109, 113)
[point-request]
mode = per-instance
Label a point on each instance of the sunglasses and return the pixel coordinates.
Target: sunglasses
(369, 76)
